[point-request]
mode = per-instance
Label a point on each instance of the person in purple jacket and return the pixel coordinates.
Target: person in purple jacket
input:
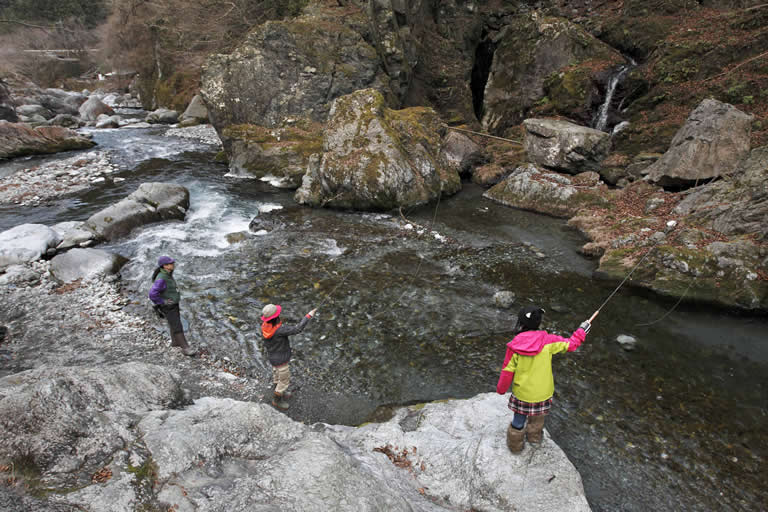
(165, 295)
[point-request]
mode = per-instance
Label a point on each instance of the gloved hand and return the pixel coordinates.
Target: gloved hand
(312, 313)
(586, 326)
(169, 302)
(158, 311)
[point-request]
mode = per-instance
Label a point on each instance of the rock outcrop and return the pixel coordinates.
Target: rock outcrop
(565, 146)
(738, 206)
(151, 202)
(713, 141)
(17, 139)
(117, 439)
(291, 69)
(534, 51)
(375, 158)
(25, 243)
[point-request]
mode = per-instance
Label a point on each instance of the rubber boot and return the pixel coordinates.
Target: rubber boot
(535, 429)
(279, 402)
(515, 439)
(179, 340)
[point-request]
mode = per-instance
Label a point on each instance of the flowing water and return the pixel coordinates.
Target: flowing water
(407, 315)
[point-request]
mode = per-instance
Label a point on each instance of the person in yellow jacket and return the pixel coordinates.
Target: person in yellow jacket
(528, 363)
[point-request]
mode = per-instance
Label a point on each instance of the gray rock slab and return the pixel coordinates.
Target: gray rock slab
(72, 419)
(565, 146)
(85, 264)
(151, 202)
(107, 121)
(238, 456)
(25, 243)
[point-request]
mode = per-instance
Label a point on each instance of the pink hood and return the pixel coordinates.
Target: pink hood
(528, 343)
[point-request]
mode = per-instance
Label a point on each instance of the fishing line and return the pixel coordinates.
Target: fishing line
(690, 283)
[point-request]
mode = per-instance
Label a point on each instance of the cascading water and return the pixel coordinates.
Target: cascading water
(601, 120)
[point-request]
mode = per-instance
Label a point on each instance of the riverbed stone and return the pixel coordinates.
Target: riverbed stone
(504, 299)
(627, 342)
(18, 139)
(375, 158)
(714, 140)
(93, 108)
(565, 146)
(72, 234)
(151, 202)
(530, 187)
(107, 121)
(65, 120)
(25, 243)
(85, 264)
(461, 152)
(162, 116)
(33, 110)
(19, 275)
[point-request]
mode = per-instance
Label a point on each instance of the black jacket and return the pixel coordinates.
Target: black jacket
(279, 346)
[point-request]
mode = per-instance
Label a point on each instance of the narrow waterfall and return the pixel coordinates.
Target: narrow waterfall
(601, 120)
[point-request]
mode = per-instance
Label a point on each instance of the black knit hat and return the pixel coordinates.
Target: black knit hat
(529, 318)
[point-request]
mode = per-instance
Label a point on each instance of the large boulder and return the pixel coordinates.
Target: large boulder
(93, 108)
(291, 69)
(17, 139)
(277, 155)
(540, 57)
(532, 188)
(565, 146)
(85, 264)
(738, 206)
(7, 108)
(25, 243)
(105, 121)
(461, 152)
(151, 202)
(375, 158)
(711, 143)
(73, 419)
(417, 461)
(196, 111)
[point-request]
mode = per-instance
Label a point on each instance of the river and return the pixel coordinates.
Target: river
(407, 315)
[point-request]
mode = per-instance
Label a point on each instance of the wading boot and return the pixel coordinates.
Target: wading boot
(535, 428)
(515, 439)
(279, 401)
(179, 340)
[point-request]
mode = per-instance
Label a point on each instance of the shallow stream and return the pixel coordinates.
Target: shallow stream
(407, 315)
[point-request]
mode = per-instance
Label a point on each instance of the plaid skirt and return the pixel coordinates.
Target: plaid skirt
(528, 408)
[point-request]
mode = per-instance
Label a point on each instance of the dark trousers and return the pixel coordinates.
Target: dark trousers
(173, 315)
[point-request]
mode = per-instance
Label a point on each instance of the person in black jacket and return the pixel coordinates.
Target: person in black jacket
(278, 346)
